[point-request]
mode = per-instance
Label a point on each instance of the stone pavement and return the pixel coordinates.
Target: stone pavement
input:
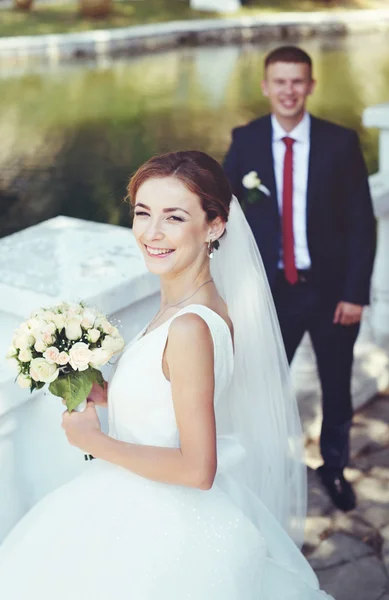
(350, 551)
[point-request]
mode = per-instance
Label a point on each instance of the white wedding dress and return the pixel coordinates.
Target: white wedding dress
(112, 535)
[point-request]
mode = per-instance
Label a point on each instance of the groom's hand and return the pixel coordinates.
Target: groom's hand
(347, 313)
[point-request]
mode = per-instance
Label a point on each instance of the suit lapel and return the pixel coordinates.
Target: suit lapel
(262, 157)
(314, 165)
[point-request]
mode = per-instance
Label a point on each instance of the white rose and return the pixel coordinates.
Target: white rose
(33, 323)
(108, 344)
(24, 381)
(40, 345)
(38, 316)
(108, 328)
(113, 344)
(80, 356)
(25, 355)
(59, 321)
(63, 358)
(73, 329)
(88, 318)
(48, 339)
(99, 320)
(46, 333)
(23, 340)
(13, 363)
(49, 328)
(41, 370)
(48, 315)
(119, 344)
(37, 326)
(11, 352)
(104, 324)
(93, 335)
(36, 332)
(60, 306)
(100, 357)
(251, 180)
(74, 309)
(51, 355)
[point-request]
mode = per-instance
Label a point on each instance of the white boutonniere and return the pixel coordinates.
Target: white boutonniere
(255, 187)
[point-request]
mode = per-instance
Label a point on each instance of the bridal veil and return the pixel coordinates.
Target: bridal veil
(260, 408)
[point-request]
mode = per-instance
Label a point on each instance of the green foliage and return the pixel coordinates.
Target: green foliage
(63, 18)
(75, 387)
(36, 385)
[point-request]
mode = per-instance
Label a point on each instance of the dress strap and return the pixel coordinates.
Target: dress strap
(216, 324)
(222, 343)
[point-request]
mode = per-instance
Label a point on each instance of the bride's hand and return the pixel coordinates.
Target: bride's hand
(81, 428)
(98, 394)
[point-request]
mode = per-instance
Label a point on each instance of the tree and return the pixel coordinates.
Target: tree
(23, 4)
(95, 8)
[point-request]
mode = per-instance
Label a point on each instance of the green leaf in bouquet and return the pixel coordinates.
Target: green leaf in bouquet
(74, 388)
(36, 385)
(95, 376)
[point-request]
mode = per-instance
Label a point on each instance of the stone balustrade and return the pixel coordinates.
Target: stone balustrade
(378, 117)
(221, 6)
(60, 259)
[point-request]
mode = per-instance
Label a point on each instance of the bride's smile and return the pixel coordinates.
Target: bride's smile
(158, 252)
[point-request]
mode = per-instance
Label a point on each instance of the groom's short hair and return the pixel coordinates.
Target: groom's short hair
(288, 54)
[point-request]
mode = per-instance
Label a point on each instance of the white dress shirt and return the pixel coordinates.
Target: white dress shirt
(301, 135)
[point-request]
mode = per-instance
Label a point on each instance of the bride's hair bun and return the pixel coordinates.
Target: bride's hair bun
(198, 171)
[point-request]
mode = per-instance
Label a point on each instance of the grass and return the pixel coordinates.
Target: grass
(63, 18)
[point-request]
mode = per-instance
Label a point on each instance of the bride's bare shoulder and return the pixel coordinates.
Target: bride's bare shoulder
(189, 326)
(191, 322)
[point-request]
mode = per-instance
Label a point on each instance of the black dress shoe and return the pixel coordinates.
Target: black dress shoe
(339, 489)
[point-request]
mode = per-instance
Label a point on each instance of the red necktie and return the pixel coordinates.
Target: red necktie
(287, 214)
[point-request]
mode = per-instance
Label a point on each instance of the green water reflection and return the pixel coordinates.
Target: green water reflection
(71, 136)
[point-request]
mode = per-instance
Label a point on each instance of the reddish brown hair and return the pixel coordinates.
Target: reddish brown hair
(198, 171)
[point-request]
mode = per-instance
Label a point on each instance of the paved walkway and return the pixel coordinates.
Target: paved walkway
(350, 551)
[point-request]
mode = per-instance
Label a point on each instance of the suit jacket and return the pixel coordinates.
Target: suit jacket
(339, 219)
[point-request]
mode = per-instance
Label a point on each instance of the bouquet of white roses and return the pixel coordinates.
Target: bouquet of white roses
(64, 346)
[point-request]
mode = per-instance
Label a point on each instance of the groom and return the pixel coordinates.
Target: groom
(313, 222)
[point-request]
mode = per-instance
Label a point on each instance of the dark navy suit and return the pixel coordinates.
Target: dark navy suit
(341, 242)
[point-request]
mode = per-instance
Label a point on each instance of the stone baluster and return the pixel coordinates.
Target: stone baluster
(378, 116)
(222, 6)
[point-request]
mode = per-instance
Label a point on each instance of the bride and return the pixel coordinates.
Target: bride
(198, 492)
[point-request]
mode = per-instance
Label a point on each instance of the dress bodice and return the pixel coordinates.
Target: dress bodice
(140, 401)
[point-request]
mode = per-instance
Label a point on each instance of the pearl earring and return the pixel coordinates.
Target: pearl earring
(210, 249)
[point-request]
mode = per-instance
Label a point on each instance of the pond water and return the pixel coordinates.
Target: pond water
(71, 136)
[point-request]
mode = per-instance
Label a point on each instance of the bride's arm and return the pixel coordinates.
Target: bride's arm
(189, 355)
